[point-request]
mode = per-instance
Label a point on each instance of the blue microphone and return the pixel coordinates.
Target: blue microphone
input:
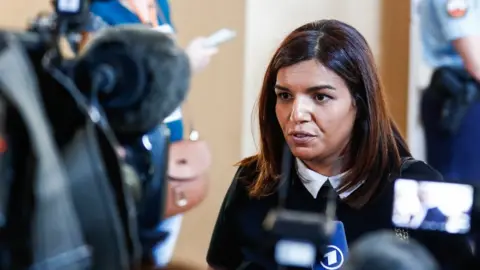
(336, 251)
(308, 240)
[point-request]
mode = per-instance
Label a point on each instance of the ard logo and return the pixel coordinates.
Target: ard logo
(333, 258)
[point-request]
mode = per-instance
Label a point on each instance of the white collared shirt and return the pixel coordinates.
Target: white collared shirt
(314, 181)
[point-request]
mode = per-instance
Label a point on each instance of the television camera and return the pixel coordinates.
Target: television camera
(78, 188)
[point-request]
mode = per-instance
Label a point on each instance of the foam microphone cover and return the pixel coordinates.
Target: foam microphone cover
(384, 250)
(151, 75)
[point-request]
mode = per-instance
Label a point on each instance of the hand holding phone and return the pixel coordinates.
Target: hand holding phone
(219, 37)
(200, 54)
(202, 49)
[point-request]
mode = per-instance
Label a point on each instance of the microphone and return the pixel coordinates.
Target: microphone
(385, 251)
(307, 241)
(336, 252)
(303, 239)
(139, 75)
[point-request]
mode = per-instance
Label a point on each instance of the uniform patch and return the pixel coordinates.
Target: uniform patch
(457, 8)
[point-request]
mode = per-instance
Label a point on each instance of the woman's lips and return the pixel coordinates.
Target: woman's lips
(301, 137)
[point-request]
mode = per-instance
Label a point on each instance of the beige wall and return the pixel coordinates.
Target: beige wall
(216, 102)
(16, 13)
(394, 57)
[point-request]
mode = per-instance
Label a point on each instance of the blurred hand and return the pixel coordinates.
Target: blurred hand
(200, 53)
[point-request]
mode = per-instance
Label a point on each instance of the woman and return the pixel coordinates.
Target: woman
(156, 13)
(322, 92)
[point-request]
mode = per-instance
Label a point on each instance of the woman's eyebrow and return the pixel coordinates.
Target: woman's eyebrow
(309, 89)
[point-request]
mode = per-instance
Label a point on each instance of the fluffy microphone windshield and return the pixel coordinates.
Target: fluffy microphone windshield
(150, 74)
(385, 251)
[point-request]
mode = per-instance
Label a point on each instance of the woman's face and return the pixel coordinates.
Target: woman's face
(315, 111)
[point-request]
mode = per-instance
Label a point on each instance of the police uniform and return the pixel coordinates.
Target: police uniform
(455, 154)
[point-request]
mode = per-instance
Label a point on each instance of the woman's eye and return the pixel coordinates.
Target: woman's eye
(321, 97)
(284, 96)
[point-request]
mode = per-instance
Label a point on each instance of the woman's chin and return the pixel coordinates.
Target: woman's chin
(303, 153)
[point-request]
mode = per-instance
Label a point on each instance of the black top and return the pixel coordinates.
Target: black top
(238, 240)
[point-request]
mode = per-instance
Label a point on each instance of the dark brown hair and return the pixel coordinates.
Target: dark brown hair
(376, 145)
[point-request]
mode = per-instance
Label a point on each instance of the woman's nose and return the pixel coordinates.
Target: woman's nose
(301, 110)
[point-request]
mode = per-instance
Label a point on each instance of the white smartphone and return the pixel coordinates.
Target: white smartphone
(221, 36)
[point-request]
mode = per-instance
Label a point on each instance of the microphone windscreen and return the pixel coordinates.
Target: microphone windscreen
(151, 75)
(384, 250)
(337, 250)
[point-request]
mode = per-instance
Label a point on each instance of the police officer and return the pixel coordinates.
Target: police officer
(450, 33)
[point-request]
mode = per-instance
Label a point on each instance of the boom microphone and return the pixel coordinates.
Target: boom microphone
(385, 251)
(139, 75)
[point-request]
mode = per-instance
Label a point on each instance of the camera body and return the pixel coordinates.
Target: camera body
(66, 194)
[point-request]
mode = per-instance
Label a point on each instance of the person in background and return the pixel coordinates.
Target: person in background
(450, 107)
(322, 97)
(156, 13)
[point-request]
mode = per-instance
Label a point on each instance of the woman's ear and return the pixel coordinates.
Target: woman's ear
(356, 99)
(357, 103)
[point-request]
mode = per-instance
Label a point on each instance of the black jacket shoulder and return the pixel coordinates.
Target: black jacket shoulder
(419, 170)
(414, 170)
(241, 181)
(224, 251)
(245, 176)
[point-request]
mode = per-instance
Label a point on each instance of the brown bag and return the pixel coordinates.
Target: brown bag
(188, 164)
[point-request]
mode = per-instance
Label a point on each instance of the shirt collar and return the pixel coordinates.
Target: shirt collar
(314, 181)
